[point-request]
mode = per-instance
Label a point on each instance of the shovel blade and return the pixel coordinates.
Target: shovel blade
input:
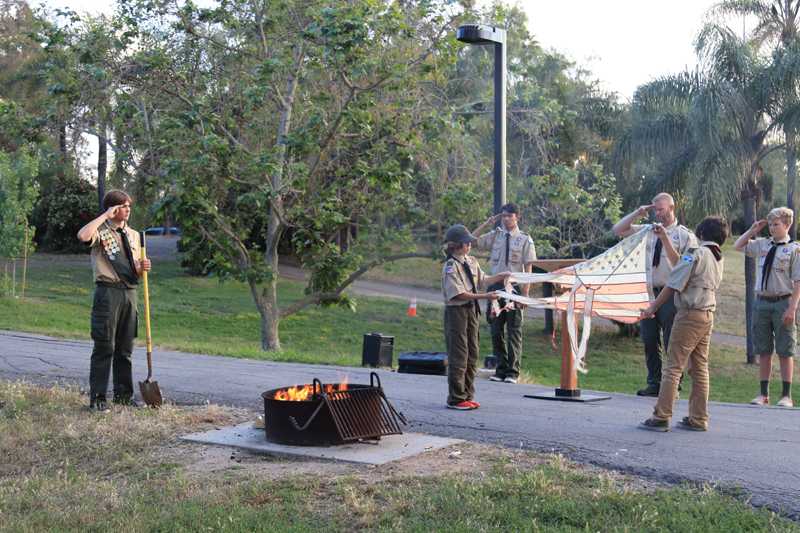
(151, 394)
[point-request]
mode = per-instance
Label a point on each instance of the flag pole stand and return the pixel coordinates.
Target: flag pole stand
(568, 391)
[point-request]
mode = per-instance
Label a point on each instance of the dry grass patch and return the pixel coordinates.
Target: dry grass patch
(72, 470)
(51, 428)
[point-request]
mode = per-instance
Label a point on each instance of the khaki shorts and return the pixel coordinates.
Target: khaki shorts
(768, 329)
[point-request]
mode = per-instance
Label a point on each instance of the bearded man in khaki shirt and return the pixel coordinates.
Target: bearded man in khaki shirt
(660, 261)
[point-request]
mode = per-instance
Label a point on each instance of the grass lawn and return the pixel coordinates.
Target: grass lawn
(65, 469)
(201, 315)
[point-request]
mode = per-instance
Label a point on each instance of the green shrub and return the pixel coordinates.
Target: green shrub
(64, 209)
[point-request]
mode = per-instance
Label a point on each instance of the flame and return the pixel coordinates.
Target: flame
(301, 393)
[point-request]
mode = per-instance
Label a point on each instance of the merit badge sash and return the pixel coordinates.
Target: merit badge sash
(118, 254)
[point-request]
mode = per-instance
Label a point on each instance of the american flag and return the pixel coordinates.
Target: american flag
(612, 285)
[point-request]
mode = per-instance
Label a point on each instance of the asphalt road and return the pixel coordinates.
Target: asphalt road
(752, 448)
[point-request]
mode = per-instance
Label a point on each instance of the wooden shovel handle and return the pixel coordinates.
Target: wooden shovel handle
(146, 291)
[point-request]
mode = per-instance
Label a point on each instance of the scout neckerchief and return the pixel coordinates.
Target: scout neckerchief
(658, 247)
(120, 257)
(495, 307)
(657, 253)
(767, 267)
(471, 279)
(715, 251)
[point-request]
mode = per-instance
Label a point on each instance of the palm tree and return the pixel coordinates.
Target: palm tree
(777, 28)
(704, 134)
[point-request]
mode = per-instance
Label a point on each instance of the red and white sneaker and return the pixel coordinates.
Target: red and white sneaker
(760, 400)
(462, 406)
(474, 403)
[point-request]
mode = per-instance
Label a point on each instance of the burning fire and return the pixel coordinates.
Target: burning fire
(300, 393)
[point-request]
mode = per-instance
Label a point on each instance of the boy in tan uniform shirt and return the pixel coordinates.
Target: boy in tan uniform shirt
(777, 294)
(510, 249)
(693, 282)
(461, 278)
(115, 251)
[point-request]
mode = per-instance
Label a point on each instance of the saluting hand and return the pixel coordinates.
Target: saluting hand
(643, 209)
(111, 212)
(757, 226)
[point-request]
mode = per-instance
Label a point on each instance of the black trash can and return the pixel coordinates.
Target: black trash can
(378, 350)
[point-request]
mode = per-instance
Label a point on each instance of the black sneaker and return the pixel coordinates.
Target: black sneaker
(653, 424)
(650, 390)
(99, 405)
(687, 423)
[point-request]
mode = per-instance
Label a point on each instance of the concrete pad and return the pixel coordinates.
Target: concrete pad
(388, 449)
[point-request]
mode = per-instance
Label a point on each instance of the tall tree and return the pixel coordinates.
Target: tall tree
(777, 30)
(298, 119)
(704, 135)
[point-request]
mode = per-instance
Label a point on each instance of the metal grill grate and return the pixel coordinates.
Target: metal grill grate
(364, 413)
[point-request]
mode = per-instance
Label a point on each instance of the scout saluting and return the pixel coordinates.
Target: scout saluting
(513, 250)
(115, 247)
(461, 278)
(777, 292)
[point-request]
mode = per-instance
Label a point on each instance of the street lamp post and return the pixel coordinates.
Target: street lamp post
(482, 34)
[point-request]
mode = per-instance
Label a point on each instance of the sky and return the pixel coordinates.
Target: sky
(624, 43)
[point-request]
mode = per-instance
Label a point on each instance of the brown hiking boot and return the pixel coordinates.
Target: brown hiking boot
(688, 423)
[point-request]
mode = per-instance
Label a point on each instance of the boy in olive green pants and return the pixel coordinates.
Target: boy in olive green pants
(115, 251)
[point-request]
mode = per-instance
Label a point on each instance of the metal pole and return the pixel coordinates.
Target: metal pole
(499, 126)
(24, 260)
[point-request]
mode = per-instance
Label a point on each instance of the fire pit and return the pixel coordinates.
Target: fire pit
(324, 415)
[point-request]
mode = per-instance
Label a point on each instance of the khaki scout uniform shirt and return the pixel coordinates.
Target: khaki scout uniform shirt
(101, 266)
(521, 250)
(455, 280)
(785, 266)
(682, 239)
(696, 279)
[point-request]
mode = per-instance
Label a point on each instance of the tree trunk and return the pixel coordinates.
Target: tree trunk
(791, 175)
(270, 317)
(119, 160)
(267, 305)
(749, 205)
(62, 149)
(102, 164)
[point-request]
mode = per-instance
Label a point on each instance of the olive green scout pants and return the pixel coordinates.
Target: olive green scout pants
(508, 350)
(461, 338)
(114, 324)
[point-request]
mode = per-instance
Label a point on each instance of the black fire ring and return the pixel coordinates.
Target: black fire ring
(361, 412)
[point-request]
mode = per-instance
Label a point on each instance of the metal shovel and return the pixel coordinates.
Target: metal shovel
(151, 394)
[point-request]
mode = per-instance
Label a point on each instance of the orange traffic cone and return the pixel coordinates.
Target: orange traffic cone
(412, 307)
